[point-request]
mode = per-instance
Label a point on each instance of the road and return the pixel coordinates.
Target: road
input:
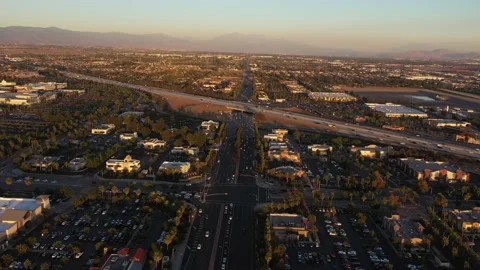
(365, 132)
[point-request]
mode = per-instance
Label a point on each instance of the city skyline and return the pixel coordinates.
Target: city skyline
(370, 26)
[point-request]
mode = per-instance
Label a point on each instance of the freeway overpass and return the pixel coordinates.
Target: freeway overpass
(369, 133)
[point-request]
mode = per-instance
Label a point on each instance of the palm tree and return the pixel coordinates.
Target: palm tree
(101, 189)
(28, 182)
(157, 257)
(323, 196)
(114, 190)
(138, 191)
(27, 264)
(45, 266)
(126, 190)
(8, 181)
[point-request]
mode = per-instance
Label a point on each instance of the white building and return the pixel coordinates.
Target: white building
(190, 151)
(103, 129)
(332, 96)
(77, 164)
(128, 136)
(210, 125)
(181, 167)
(127, 164)
(321, 149)
(16, 212)
(273, 137)
(151, 144)
(396, 110)
(6, 84)
(441, 123)
(372, 151)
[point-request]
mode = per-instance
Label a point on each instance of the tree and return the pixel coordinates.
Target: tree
(27, 264)
(157, 257)
(65, 260)
(57, 244)
(31, 240)
(21, 249)
(312, 219)
(115, 190)
(45, 266)
(98, 245)
(28, 182)
(467, 196)
(364, 198)
(440, 201)
(86, 230)
(126, 191)
(445, 241)
(454, 252)
(6, 260)
(138, 192)
(101, 189)
(8, 181)
(422, 186)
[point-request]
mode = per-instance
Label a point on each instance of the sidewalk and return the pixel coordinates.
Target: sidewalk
(180, 248)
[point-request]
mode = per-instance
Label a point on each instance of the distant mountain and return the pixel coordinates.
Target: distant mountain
(439, 54)
(234, 42)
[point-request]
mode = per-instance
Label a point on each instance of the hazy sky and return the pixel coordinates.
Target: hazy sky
(357, 24)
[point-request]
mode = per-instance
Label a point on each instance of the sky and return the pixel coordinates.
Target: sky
(380, 25)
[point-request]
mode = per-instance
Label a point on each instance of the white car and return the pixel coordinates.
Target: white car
(45, 180)
(36, 180)
(207, 234)
(54, 182)
(78, 255)
(199, 246)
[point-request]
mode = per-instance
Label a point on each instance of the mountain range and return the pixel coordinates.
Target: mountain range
(231, 43)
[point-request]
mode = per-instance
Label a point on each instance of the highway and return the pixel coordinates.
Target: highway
(365, 132)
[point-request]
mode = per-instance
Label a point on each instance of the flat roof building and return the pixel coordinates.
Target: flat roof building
(421, 169)
(372, 151)
(103, 129)
(175, 166)
(288, 228)
(124, 260)
(152, 144)
(210, 125)
(190, 151)
(120, 165)
(405, 229)
(321, 149)
(128, 136)
(441, 123)
(466, 221)
(396, 110)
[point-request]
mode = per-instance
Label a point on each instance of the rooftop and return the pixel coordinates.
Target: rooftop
(19, 203)
(287, 220)
(468, 215)
(390, 108)
(421, 165)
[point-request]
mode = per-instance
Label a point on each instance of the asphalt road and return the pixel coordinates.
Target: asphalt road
(365, 132)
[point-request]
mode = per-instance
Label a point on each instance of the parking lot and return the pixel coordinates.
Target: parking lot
(344, 244)
(80, 238)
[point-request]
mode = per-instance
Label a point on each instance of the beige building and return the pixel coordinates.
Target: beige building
(406, 230)
(284, 154)
(210, 125)
(120, 165)
(321, 149)
(16, 212)
(466, 221)
(174, 166)
(128, 136)
(332, 96)
(190, 151)
(372, 151)
(441, 123)
(103, 129)
(421, 169)
(152, 144)
(467, 139)
(7, 84)
(288, 228)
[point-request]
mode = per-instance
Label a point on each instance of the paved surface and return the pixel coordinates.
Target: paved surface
(393, 138)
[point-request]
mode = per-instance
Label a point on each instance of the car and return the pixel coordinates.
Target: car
(54, 182)
(188, 184)
(207, 234)
(199, 246)
(200, 211)
(223, 266)
(36, 180)
(224, 260)
(45, 181)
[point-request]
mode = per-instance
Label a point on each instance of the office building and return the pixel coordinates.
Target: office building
(174, 167)
(396, 110)
(372, 151)
(421, 169)
(406, 230)
(152, 144)
(128, 164)
(288, 228)
(103, 129)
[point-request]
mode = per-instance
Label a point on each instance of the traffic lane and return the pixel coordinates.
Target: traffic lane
(242, 194)
(225, 235)
(242, 251)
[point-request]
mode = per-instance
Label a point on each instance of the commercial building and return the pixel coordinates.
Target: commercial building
(320, 149)
(128, 164)
(128, 136)
(272, 138)
(396, 110)
(294, 88)
(432, 170)
(372, 151)
(41, 86)
(77, 164)
(16, 212)
(466, 221)
(210, 125)
(7, 84)
(152, 144)
(332, 96)
(42, 163)
(467, 138)
(284, 154)
(288, 228)
(19, 98)
(103, 129)
(190, 151)
(277, 146)
(174, 167)
(441, 123)
(406, 230)
(280, 131)
(125, 259)
(286, 171)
